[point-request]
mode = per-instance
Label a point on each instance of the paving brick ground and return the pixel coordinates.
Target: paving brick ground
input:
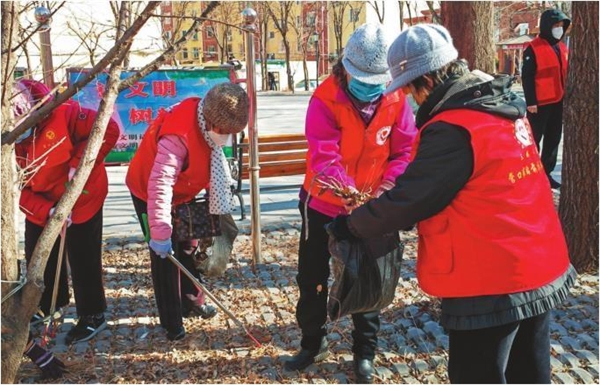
(412, 344)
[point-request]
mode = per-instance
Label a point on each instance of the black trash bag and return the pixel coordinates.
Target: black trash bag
(216, 254)
(365, 273)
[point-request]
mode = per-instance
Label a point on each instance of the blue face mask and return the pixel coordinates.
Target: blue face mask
(365, 92)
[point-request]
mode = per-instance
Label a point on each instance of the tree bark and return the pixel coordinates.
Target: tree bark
(18, 309)
(11, 341)
(471, 26)
(578, 207)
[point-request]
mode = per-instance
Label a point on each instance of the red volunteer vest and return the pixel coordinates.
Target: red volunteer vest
(550, 77)
(51, 179)
(365, 150)
(180, 121)
(501, 233)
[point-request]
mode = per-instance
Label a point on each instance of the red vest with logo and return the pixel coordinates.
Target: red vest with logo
(550, 76)
(51, 145)
(365, 150)
(501, 233)
(181, 121)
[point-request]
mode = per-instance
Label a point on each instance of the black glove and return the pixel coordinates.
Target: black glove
(338, 228)
(50, 366)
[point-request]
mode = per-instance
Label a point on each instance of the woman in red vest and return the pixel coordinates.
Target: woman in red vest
(544, 78)
(179, 156)
(490, 241)
(361, 139)
(55, 146)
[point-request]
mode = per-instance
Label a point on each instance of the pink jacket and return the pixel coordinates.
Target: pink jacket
(321, 129)
(170, 160)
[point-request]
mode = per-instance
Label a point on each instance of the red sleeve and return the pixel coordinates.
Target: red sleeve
(35, 206)
(81, 121)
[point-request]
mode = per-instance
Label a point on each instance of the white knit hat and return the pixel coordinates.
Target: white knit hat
(418, 50)
(365, 54)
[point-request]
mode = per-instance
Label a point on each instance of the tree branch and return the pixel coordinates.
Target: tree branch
(36, 117)
(25, 39)
(170, 52)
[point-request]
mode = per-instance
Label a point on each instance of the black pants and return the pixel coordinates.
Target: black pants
(169, 284)
(547, 126)
(84, 250)
(518, 352)
(313, 273)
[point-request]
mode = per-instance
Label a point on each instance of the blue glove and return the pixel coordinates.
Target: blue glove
(161, 248)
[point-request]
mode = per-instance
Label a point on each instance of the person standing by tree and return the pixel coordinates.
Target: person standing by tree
(180, 155)
(50, 154)
(544, 76)
(490, 241)
(361, 139)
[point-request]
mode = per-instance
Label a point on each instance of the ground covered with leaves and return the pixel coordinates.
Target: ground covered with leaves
(412, 347)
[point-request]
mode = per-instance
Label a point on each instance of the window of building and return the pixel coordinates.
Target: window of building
(211, 48)
(167, 35)
(230, 48)
(310, 19)
(229, 35)
(354, 15)
(195, 37)
(210, 32)
(196, 53)
(184, 53)
(298, 21)
(271, 35)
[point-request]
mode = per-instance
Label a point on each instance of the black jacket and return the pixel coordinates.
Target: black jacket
(547, 20)
(444, 160)
(442, 166)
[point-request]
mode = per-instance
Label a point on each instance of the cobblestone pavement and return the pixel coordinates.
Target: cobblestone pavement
(412, 344)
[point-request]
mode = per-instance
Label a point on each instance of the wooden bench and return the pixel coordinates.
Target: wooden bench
(278, 155)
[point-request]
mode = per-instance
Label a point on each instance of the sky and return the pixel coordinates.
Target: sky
(80, 15)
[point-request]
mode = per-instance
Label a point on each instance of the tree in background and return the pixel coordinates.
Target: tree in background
(263, 36)
(578, 207)
(281, 13)
(471, 25)
(226, 15)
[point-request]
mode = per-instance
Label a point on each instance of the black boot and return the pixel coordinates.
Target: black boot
(553, 183)
(363, 370)
(305, 357)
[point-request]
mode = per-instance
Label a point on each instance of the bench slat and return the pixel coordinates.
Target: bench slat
(277, 156)
(274, 147)
(278, 169)
(277, 138)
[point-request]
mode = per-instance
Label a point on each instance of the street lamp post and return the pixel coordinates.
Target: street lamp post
(249, 17)
(316, 35)
(42, 16)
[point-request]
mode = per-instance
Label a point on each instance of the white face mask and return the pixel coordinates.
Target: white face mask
(557, 32)
(219, 139)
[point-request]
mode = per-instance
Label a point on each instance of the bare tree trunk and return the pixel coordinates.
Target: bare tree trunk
(401, 13)
(306, 75)
(290, 77)
(578, 207)
(471, 25)
(18, 309)
(12, 340)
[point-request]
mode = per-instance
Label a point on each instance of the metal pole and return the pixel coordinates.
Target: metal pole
(42, 16)
(249, 16)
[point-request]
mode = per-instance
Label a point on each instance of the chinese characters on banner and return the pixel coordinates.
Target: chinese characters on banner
(144, 100)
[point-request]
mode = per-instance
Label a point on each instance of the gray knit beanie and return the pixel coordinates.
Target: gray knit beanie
(365, 54)
(418, 50)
